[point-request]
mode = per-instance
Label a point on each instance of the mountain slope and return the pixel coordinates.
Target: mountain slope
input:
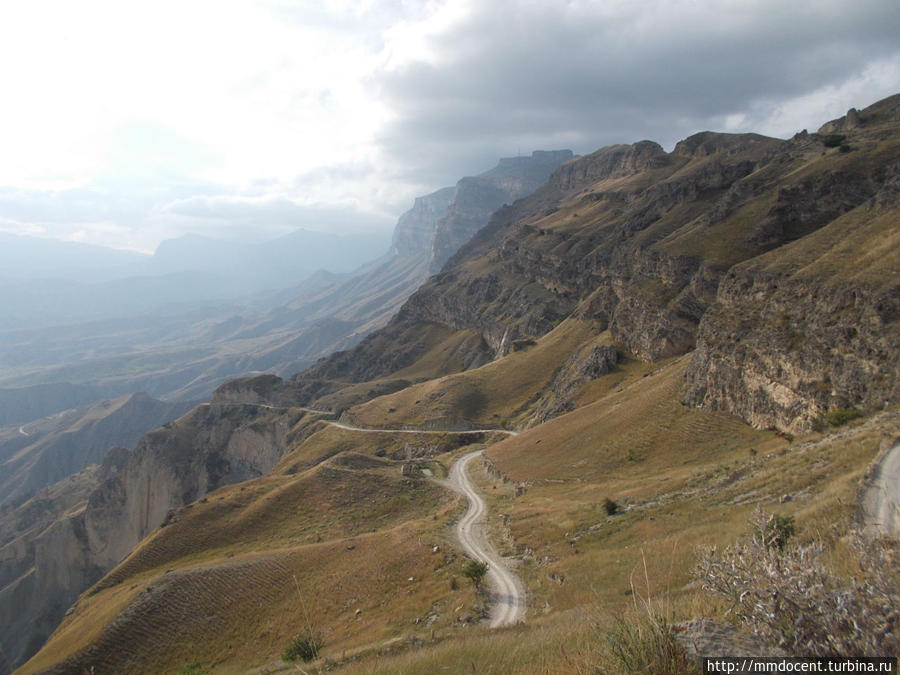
(176, 349)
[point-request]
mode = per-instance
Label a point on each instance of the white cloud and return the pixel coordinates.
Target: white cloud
(279, 109)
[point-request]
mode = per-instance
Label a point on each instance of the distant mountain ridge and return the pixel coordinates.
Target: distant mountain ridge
(190, 348)
(47, 450)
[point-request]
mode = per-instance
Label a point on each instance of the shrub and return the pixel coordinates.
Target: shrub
(840, 416)
(788, 597)
(648, 645)
(773, 532)
(834, 140)
(475, 570)
(610, 507)
(304, 647)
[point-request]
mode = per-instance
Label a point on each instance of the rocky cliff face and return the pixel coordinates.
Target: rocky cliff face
(476, 198)
(44, 558)
(215, 445)
(414, 233)
(813, 326)
(62, 541)
(68, 442)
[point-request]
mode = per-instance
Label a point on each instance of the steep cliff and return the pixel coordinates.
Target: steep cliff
(414, 233)
(66, 537)
(815, 325)
(476, 198)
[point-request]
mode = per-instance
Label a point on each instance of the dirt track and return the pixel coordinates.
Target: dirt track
(509, 592)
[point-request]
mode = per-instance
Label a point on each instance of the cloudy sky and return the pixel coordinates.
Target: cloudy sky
(124, 122)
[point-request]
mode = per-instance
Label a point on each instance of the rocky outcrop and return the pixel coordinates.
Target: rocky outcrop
(414, 233)
(476, 198)
(213, 446)
(780, 350)
(60, 543)
(45, 559)
(814, 326)
(583, 366)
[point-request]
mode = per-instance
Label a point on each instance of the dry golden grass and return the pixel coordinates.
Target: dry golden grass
(683, 478)
(220, 578)
(503, 391)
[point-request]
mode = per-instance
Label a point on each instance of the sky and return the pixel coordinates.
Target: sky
(126, 122)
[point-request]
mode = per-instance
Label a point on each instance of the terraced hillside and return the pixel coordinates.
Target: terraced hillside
(647, 321)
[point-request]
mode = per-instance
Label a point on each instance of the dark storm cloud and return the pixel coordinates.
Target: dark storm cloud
(521, 76)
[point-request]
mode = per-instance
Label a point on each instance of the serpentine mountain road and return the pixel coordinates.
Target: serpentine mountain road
(509, 606)
(349, 427)
(509, 591)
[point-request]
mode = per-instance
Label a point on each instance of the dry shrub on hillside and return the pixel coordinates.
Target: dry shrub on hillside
(642, 640)
(789, 598)
(646, 644)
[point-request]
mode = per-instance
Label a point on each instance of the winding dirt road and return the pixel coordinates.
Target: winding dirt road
(350, 427)
(509, 592)
(881, 499)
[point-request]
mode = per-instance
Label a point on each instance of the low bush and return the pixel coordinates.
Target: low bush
(304, 647)
(648, 645)
(789, 598)
(840, 416)
(474, 570)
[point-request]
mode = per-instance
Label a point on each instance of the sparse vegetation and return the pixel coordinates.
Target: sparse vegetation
(790, 598)
(474, 570)
(840, 416)
(304, 647)
(193, 668)
(647, 645)
(775, 532)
